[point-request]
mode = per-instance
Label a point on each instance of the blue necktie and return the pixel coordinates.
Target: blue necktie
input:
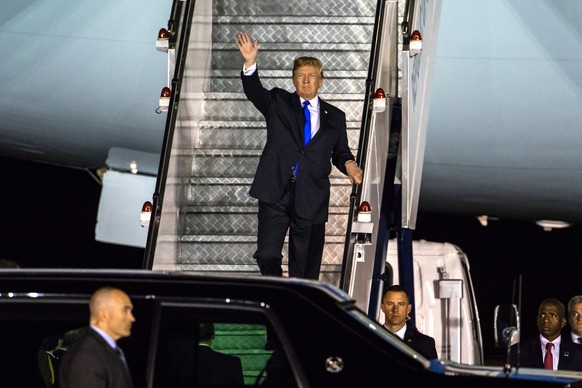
(306, 129)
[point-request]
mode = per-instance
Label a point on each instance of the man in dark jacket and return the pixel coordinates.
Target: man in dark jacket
(396, 308)
(216, 369)
(548, 350)
(575, 320)
(95, 360)
(305, 136)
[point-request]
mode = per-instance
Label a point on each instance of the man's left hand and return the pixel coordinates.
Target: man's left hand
(354, 172)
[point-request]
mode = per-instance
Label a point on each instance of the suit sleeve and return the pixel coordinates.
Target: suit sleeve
(430, 351)
(255, 92)
(342, 152)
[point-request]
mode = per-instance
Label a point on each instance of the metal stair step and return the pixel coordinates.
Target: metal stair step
(286, 73)
(242, 220)
(296, 31)
(329, 273)
(241, 135)
(230, 25)
(250, 8)
(234, 106)
(235, 192)
(212, 163)
(338, 81)
(346, 57)
(198, 254)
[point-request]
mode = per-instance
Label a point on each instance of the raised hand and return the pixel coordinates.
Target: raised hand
(249, 49)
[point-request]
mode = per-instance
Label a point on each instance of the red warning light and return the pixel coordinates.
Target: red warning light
(146, 214)
(166, 92)
(147, 207)
(379, 93)
(365, 207)
(163, 34)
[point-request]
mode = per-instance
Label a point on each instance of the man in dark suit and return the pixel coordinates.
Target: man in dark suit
(216, 369)
(292, 178)
(548, 350)
(94, 360)
(396, 308)
(575, 320)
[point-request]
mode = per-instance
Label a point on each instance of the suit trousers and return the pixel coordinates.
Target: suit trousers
(306, 239)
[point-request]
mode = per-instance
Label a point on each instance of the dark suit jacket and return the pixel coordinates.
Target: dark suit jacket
(422, 343)
(92, 363)
(567, 336)
(217, 369)
(531, 354)
(284, 148)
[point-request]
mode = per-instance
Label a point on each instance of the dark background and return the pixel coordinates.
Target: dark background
(48, 219)
(49, 214)
(549, 264)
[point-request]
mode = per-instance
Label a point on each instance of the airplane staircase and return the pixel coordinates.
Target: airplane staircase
(203, 218)
(208, 221)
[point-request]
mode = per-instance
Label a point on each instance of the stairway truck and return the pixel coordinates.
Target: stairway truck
(444, 299)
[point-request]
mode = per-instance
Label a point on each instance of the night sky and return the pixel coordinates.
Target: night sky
(49, 214)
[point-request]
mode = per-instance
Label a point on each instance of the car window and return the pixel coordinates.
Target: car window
(36, 331)
(28, 327)
(201, 346)
(163, 350)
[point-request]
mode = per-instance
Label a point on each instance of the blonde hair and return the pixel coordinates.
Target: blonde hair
(308, 61)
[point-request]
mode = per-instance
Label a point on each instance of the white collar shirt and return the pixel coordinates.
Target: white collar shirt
(105, 336)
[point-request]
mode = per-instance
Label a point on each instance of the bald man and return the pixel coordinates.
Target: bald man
(94, 360)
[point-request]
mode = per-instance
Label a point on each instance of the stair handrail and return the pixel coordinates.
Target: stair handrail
(187, 8)
(365, 128)
(406, 22)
